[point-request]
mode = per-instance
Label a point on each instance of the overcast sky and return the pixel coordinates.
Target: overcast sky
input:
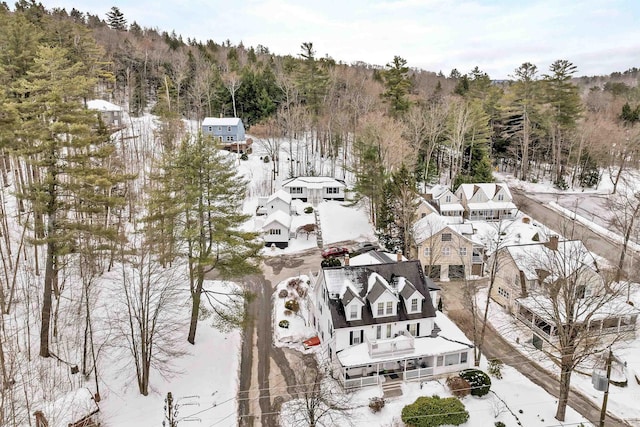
(599, 36)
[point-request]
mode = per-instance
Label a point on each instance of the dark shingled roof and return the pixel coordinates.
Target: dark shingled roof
(359, 275)
(407, 290)
(349, 295)
(377, 289)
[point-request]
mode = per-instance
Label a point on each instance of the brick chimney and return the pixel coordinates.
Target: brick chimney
(399, 256)
(553, 242)
(346, 260)
(41, 421)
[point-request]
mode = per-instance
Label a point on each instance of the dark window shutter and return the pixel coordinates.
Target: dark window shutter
(408, 327)
(350, 337)
(418, 330)
(361, 336)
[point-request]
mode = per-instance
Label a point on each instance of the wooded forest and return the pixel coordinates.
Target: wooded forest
(79, 195)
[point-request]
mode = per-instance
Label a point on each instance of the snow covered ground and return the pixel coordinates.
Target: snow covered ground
(204, 380)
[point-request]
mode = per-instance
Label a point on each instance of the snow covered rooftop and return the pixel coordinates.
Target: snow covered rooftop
(615, 307)
(280, 194)
(69, 409)
(313, 182)
(102, 105)
(374, 257)
(490, 189)
(221, 121)
(279, 217)
(570, 256)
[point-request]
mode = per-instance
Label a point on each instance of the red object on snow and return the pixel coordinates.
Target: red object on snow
(311, 342)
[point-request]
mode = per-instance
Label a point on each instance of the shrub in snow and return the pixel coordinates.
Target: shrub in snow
(244, 156)
(308, 210)
(292, 305)
(283, 293)
(459, 386)
(499, 424)
(376, 404)
(293, 283)
(434, 411)
(495, 368)
(266, 159)
(330, 262)
(479, 381)
(284, 324)
(288, 312)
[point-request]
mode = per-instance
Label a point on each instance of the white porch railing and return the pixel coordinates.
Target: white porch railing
(402, 344)
(355, 383)
(418, 374)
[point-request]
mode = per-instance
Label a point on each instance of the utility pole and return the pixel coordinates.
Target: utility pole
(170, 412)
(603, 412)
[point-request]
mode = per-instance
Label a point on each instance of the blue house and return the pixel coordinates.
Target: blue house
(227, 129)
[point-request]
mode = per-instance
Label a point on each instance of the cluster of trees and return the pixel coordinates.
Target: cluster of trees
(77, 204)
(458, 128)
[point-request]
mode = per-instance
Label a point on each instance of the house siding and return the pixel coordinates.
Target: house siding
(438, 252)
(222, 131)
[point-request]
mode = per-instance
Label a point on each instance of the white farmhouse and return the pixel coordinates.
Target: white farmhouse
(315, 189)
(378, 321)
(487, 201)
(276, 229)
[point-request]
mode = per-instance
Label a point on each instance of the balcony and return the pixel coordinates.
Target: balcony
(402, 343)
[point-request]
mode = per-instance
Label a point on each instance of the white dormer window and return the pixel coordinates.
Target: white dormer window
(414, 304)
(228, 128)
(353, 313)
(447, 199)
(380, 309)
(500, 197)
(389, 307)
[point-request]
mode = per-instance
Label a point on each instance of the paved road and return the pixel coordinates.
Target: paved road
(267, 372)
(595, 242)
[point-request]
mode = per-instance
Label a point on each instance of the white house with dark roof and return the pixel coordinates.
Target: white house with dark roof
(378, 320)
(315, 189)
(487, 201)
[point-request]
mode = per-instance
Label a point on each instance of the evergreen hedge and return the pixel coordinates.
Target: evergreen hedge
(434, 411)
(479, 381)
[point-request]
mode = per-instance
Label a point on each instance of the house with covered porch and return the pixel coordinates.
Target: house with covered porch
(378, 322)
(486, 201)
(530, 274)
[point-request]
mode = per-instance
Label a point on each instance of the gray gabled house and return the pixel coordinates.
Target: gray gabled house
(228, 130)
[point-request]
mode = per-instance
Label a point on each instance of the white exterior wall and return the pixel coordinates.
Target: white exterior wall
(370, 331)
(276, 238)
(385, 298)
(347, 310)
(277, 205)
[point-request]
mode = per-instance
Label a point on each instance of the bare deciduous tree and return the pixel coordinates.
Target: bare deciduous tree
(318, 401)
(149, 298)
